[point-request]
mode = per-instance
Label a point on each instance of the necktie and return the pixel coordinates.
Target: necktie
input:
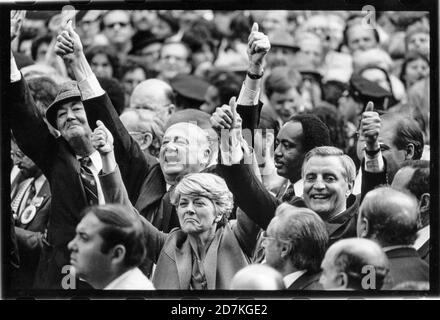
(288, 195)
(88, 181)
(16, 202)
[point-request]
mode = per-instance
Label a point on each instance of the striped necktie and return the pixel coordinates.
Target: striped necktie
(88, 181)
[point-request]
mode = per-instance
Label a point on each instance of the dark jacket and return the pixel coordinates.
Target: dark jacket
(308, 281)
(405, 265)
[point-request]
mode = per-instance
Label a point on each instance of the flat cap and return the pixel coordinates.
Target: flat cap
(68, 91)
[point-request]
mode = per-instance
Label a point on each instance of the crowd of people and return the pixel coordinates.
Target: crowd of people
(200, 150)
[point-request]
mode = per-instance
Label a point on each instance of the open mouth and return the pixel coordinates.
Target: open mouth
(320, 196)
(171, 158)
(278, 164)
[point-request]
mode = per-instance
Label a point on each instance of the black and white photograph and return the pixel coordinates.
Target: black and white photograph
(282, 151)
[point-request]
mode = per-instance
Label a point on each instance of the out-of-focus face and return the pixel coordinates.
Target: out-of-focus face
(360, 38)
(132, 78)
(150, 55)
(286, 104)
(185, 149)
(174, 60)
(318, 25)
(377, 76)
(196, 214)
(25, 47)
(325, 188)
(311, 50)
(274, 20)
(280, 56)
(329, 273)
(349, 108)
(289, 153)
(101, 65)
(415, 71)
(22, 161)
(212, 100)
(85, 250)
(161, 29)
(41, 52)
(143, 20)
(419, 42)
(153, 98)
(72, 121)
(117, 27)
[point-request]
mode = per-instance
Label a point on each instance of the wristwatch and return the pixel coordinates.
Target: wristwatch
(254, 76)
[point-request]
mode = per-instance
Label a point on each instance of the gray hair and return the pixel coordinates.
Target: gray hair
(349, 171)
(206, 185)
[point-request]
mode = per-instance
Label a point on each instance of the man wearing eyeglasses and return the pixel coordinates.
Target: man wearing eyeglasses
(294, 244)
(117, 27)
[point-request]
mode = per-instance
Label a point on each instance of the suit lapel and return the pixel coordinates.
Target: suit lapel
(184, 263)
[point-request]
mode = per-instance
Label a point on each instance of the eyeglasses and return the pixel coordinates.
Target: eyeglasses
(265, 237)
(112, 25)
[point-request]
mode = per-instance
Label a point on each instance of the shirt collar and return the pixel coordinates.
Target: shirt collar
(386, 249)
(422, 237)
(116, 282)
(95, 157)
(292, 277)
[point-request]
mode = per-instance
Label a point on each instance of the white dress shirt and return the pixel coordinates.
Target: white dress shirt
(132, 279)
(292, 277)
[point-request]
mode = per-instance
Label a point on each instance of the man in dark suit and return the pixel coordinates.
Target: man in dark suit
(30, 204)
(154, 182)
(414, 177)
(354, 264)
(68, 162)
(295, 243)
(390, 217)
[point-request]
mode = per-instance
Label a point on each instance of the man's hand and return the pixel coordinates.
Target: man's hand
(258, 47)
(17, 17)
(68, 44)
(102, 139)
(226, 117)
(370, 127)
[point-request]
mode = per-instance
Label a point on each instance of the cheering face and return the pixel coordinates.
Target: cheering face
(325, 188)
(185, 149)
(196, 214)
(72, 120)
(289, 154)
(85, 250)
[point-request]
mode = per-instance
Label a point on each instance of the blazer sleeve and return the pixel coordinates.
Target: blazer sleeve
(133, 165)
(371, 180)
(29, 129)
(115, 192)
(249, 193)
(250, 115)
(246, 231)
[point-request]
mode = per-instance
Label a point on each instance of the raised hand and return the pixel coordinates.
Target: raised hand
(258, 46)
(102, 139)
(370, 127)
(226, 116)
(17, 17)
(68, 44)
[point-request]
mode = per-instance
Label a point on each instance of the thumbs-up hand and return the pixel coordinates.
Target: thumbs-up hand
(370, 127)
(68, 44)
(102, 139)
(258, 46)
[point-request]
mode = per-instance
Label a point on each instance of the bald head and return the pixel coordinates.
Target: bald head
(347, 261)
(155, 95)
(389, 216)
(257, 277)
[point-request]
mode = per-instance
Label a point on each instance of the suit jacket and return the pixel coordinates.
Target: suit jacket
(253, 198)
(39, 222)
(405, 265)
(308, 281)
(58, 162)
(424, 251)
(142, 176)
(229, 252)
